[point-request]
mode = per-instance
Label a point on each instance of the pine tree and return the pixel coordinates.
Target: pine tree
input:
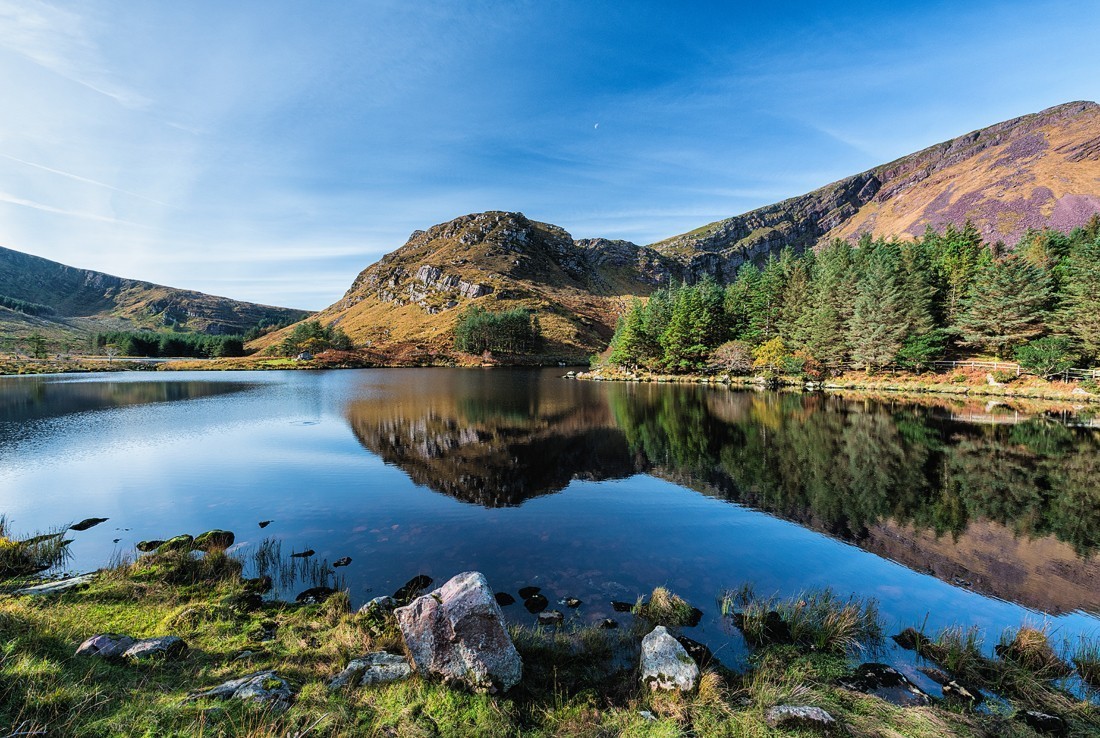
(959, 259)
(827, 322)
(796, 311)
(1006, 306)
(1080, 312)
(878, 325)
(628, 345)
(738, 301)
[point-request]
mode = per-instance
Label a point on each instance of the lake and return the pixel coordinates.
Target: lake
(945, 512)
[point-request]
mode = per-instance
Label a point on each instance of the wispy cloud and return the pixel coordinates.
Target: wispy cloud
(85, 180)
(25, 203)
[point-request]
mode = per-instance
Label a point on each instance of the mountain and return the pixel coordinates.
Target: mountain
(1040, 170)
(407, 304)
(68, 303)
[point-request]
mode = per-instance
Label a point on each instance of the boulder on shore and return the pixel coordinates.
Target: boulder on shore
(214, 540)
(165, 648)
(798, 716)
(666, 664)
(457, 633)
(265, 687)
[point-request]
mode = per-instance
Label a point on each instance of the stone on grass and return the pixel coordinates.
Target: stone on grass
(665, 663)
(805, 718)
(457, 633)
(105, 646)
(214, 540)
(379, 606)
(61, 585)
(887, 683)
(551, 617)
(264, 687)
(177, 543)
(148, 546)
(374, 668)
(1044, 723)
(165, 648)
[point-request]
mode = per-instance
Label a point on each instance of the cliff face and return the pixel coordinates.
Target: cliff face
(1040, 170)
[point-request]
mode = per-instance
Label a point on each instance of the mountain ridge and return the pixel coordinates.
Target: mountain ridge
(82, 301)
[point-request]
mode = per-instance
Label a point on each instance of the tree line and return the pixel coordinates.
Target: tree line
(878, 304)
(152, 345)
(26, 307)
(515, 331)
(312, 337)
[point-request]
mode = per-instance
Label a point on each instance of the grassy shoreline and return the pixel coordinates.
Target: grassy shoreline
(972, 384)
(578, 680)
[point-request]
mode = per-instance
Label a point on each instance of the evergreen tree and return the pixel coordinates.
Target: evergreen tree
(878, 326)
(827, 322)
(959, 257)
(1006, 306)
(628, 345)
(796, 311)
(1080, 311)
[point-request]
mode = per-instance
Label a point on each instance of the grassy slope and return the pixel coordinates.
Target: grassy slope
(988, 176)
(86, 301)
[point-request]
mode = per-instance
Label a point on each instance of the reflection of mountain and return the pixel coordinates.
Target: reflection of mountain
(457, 434)
(1010, 508)
(25, 399)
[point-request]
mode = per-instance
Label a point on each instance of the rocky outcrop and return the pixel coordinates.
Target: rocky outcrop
(666, 664)
(800, 718)
(457, 634)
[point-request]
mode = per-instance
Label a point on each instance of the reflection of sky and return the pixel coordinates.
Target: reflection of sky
(284, 452)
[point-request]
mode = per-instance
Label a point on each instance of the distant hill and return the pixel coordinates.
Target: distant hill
(67, 303)
(1040, 170)
(407, 304)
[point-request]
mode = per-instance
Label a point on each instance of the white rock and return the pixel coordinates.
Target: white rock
(666, 664)
(374, 668)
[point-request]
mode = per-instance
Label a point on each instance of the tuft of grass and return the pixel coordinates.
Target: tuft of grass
(818, 620)
(959, 650)
(1030, 649)
(666, 608)
(38, 553)
(1086, 659)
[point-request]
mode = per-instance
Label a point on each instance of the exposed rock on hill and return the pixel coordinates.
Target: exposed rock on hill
(409, 301)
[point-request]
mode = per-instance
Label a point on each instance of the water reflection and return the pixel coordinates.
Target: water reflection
(1008, 505)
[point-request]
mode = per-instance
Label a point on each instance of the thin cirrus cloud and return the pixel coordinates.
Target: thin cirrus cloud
(270, 151)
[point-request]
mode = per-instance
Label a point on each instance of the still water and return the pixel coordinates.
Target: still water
(946, 513)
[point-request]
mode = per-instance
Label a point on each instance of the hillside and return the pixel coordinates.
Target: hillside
(1039, 170)
(407, 304)
(67, 303)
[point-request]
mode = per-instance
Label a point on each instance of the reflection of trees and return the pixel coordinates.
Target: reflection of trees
(844, 465)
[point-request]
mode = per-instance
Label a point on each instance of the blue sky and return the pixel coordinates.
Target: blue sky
(270, 150)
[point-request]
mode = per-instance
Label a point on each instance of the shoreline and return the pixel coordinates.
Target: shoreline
(908, 385)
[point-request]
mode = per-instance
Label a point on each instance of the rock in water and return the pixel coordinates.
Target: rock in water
(148, 546)
(105, 646)
(214, 540)
(412, 589)
(536, 603)
(504, 599)
(342, 561)
(167, 648)
(457, 633)
(374, 668)
(265, 523)
(619, 606)
(88, 523)
(665, 663)
(527, 593)
(303, 554)
(792, 716)
(265, 687)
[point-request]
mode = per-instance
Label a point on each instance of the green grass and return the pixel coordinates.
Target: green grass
(577, 682)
